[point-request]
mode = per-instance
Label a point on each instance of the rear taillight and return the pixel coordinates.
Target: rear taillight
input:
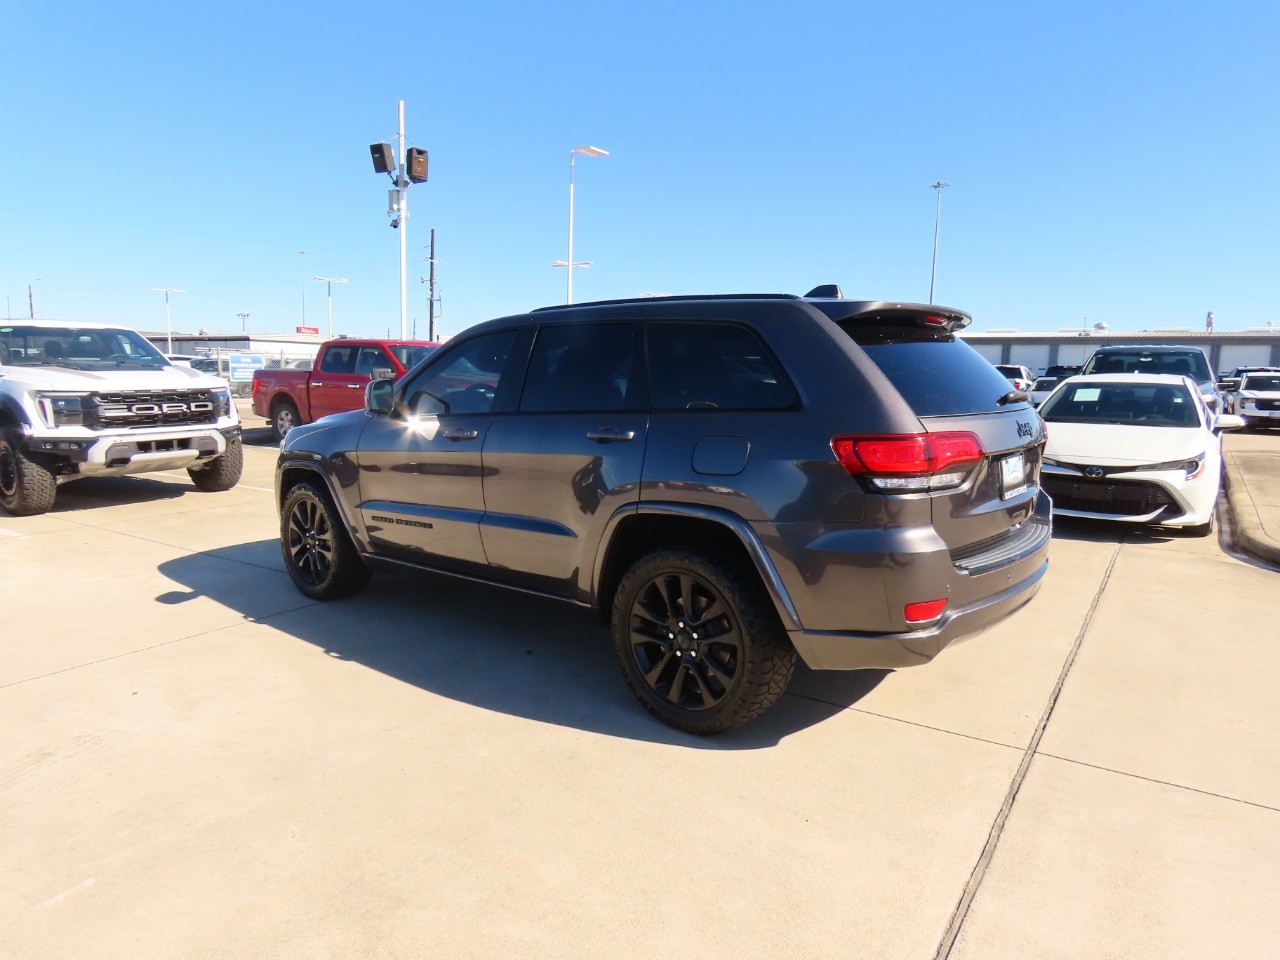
(910, 461)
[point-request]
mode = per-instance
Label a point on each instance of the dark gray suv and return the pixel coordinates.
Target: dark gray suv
(731, 480)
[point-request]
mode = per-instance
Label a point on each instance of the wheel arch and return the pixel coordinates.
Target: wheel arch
(11, 414)
(639, 528)
(290, 473)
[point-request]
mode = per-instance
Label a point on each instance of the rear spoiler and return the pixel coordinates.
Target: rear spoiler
(883, 311)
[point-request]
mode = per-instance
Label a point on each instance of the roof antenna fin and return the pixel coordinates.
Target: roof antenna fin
(825, 291)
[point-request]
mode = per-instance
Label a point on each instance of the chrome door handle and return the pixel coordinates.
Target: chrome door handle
(314, 384)
(459, 434)
(611, 435)
(353, 386)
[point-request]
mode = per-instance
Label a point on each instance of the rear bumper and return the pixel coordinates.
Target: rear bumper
(861, 651)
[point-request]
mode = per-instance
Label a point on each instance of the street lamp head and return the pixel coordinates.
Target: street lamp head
(590, 151)
(940, 185)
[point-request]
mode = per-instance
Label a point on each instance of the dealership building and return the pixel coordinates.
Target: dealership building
(1226, 349)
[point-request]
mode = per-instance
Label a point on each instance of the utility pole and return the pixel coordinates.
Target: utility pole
(168, 324)
(431, 289)
(404, 168)
(402, 185)
(937, 220)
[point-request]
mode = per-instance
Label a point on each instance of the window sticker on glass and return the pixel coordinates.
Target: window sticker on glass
(1087, 394)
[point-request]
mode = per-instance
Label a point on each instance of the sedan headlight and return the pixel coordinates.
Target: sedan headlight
(62, 409)
(1192, 466)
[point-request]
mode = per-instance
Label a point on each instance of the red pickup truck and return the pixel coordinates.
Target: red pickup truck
(336, 382)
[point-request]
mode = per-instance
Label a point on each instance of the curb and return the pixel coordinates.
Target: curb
(1250, 535)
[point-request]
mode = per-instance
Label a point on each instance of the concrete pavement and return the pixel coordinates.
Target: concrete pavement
(1253, 492)
(197, 761)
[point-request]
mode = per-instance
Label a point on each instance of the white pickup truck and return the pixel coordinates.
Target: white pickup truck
(82, 399)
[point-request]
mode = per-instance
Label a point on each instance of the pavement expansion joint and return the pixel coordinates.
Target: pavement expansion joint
(961, 912)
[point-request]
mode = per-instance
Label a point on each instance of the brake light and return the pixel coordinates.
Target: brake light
(923, 612)
(910, 461)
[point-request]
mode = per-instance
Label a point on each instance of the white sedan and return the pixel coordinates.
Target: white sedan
(1142, 448)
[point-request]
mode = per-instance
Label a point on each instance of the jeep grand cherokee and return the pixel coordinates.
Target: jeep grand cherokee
(731, 480)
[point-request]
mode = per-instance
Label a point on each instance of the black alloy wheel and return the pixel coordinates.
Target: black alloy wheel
(310, 541)
(685, 641)
(699, 641)
(318, 552)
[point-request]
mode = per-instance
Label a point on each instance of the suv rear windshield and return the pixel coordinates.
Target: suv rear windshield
(1186, 363)
(938, 374)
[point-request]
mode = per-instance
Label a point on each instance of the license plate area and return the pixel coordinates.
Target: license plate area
(1013, 476)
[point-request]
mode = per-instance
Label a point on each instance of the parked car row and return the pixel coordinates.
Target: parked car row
(734, 483)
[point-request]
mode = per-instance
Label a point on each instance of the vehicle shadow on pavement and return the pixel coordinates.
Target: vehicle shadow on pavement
(114, 491)
(1085, 530)
(512, 653)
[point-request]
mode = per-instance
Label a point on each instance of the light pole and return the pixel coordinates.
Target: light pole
(244, 325)
(937, 220)
(329, 282)
(31, 297)
(302, 272)
(167, 324)
(569, 263)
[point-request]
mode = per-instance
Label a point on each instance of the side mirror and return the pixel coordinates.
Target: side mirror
(1228, 421)
(378, 396)
(384, 373)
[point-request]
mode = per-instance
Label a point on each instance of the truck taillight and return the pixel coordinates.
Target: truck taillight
(910, 461)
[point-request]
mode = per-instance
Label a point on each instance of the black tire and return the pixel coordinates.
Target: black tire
(317, 550)
(284, 417)
(222, 472)
(26, 487)
(710, 672)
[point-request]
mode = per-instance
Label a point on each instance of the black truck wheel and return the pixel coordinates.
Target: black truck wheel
(699, 642)
(318, 552)
(26, 487)
(222, 472)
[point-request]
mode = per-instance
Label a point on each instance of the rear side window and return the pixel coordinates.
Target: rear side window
(714, 366)
(937, 374)
(338, 360)
(579, 368)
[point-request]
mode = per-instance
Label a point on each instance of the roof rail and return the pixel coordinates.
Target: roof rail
(695, 296)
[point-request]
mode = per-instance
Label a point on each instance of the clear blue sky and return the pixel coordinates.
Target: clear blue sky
(1110, 161)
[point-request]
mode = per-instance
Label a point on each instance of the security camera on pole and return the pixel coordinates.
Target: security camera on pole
(404, 169)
